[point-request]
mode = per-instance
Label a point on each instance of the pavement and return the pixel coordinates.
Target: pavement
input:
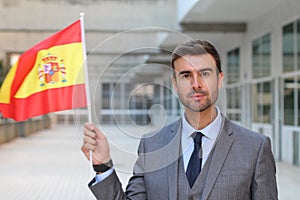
(50, 165)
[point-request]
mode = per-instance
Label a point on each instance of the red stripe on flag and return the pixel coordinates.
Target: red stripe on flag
(42, 102)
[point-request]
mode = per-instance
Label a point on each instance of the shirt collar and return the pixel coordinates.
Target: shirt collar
(211, 131)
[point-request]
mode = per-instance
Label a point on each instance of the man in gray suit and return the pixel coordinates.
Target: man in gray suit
(201, 156)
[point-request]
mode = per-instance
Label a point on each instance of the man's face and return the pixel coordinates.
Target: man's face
(197, 81)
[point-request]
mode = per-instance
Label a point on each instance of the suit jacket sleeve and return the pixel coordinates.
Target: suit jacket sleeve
(111, 188)
(264, 184)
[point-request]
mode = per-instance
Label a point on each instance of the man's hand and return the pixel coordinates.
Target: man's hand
(95, 141)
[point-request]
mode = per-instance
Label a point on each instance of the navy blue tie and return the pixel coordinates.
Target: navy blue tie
(194, 166)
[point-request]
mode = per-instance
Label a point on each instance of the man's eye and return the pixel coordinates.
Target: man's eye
(186, 75)
(204, 74)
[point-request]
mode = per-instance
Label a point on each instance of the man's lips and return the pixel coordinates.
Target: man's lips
(197, 96)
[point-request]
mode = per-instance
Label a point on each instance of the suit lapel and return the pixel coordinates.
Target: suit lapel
(174, 149)
(222, 148)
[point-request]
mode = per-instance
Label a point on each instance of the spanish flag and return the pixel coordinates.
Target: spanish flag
(46, 77)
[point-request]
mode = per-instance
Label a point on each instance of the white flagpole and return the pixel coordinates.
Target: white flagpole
(86, 77)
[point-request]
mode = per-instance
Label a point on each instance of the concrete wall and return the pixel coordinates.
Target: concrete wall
(24, 23)
(100, 14)
(12, 130)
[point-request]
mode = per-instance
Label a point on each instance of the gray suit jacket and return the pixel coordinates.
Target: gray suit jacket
(241, 167)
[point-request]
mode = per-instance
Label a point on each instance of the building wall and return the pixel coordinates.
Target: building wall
(24, 23)
(272, 21)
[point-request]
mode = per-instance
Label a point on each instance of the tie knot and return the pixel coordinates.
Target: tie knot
(197, 138)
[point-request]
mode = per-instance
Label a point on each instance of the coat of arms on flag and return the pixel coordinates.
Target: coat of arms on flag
(52, 70)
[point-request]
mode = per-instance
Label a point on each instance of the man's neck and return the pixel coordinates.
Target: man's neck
(199, 120)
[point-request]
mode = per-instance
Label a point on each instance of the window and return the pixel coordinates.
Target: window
(261, 90)
(116, 98)
(298, 100)
(234, 103)
(292, 101)
(233, 66)
(233, 89)
(4, 68)
(106, 94)
(298, 43)
(291, 63)
(291, 46)
(288, 48)
(289, 96)
(262, 102)
(167, 92)
(141, 100)
(261, 56)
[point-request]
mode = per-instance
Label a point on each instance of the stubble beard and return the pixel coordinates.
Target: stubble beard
(197, 106)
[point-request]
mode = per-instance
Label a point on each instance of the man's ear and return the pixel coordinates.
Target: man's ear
(174, 83)
(220, 79)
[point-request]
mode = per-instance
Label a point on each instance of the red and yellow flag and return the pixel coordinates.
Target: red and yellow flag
(45, 77)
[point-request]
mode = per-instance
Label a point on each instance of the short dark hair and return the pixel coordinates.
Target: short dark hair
(196, 47)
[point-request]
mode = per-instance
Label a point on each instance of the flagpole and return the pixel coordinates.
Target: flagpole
(86, 77)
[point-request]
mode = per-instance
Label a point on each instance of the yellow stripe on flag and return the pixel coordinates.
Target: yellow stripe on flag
(6, 85)
(56, 67)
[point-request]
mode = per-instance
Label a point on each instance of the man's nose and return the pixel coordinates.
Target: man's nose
(198, 81)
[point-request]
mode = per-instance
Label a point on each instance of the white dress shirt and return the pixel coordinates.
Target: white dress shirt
(210, 134)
